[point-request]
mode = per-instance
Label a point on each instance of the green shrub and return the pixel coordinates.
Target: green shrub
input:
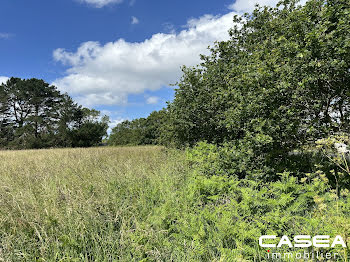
(219, 217)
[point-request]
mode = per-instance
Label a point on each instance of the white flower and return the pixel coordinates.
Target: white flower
(341, 148)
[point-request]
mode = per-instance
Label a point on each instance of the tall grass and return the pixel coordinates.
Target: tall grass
(82, 204)
(155, 204)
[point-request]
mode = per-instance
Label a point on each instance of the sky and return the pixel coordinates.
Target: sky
(121, 57)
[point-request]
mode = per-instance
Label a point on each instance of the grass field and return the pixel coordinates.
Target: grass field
(153, 204)
(83, 204)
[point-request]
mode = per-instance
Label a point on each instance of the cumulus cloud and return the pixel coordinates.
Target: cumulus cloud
(168, 28)
(3, 79)
(107, 74)
(242, 6)
(134, 20)
(152, 100)
(101, 3)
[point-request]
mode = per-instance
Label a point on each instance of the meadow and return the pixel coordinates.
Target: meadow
(82, 204)
(261, 130)
(149, 203)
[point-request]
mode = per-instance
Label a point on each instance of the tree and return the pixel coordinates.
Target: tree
(6, 130)
(91, 129)
(128, 133)
(141, 131)
(280, 81)
(35, 114)
(31, 111)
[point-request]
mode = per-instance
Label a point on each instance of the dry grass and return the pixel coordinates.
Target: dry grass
(81, 204)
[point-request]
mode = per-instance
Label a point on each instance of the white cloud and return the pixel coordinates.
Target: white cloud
(115, 122)
(3, 79)
(101, 3)
(152, 100)
(5, 35)
(242, 6)
(249, 5)
(115, 118)
(107, 74)
(134, 20)
(169, 28)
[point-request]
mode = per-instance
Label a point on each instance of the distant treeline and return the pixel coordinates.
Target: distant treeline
(141, 131)
(34, 114)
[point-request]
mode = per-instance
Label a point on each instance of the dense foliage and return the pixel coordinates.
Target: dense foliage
(279, 83)
(141, 131)
(34, 114)
(282, 78)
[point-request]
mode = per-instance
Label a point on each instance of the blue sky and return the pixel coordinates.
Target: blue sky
(118, 56)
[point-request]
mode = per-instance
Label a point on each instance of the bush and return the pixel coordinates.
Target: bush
(220, 217)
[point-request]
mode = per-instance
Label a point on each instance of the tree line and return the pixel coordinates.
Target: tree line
(283, 78)
(34, 114)
(280, 81)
